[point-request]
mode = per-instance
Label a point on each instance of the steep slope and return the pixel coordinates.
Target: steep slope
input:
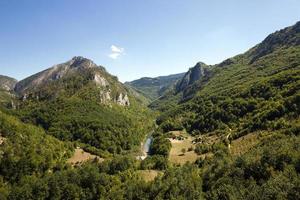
(26, 149)
(273, 44)
(193, 75)
(80, 101)
(257, 90)
(280, 39)
(243, 116)
(152, 88)
(185, 88)
(7, 85)
(71, 78)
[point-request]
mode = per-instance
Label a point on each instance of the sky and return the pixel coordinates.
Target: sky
(134, 38)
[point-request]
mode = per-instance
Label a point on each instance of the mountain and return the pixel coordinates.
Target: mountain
(280, 41)
(7, 83)
(80, 101)
(244, 117)
(194, 74)
(152, 88)
(249, 92)
(184, 88)
(226, 131)
(77, 73)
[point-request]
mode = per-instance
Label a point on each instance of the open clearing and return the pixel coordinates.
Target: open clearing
(181, 140)
(149, 175)
(176, 155)
(81, 156)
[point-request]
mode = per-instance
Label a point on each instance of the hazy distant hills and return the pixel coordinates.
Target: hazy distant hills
(153, 88)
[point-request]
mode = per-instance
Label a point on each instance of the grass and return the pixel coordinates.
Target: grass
(149, 175)
(81, 156)
(244, 144)
(176, 155)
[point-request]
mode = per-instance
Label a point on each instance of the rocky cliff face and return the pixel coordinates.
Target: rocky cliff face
(193, 75)
(71, 77)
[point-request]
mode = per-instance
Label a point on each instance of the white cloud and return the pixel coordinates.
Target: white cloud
(116, 52)
(116, 49)
(114, 55)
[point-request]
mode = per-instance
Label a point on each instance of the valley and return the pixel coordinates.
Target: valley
(224, 131)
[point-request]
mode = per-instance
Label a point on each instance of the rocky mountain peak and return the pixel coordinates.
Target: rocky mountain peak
(78, 71)
(193, 75)
(81, 62)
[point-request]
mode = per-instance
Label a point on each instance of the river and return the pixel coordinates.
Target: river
(145, 147)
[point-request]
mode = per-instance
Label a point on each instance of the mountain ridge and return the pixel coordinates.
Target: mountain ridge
(153, 87)
(7, 83)
(110, 89)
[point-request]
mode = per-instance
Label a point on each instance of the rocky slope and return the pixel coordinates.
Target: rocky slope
(80, 101)
(286, 37)
(193, 75)
(7, 83)
(79, 72)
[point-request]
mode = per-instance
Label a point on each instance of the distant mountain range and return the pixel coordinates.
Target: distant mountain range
(153, 88)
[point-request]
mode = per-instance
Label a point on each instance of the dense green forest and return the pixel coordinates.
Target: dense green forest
(73, 108)
(253, 95)
(152, 88)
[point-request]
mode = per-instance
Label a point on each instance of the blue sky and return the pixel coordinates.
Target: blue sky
(134, 38)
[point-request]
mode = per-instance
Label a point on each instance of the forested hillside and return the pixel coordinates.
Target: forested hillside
(225, 131)
(244, 94)
(153, 88)
(80, 101)
(7, 85)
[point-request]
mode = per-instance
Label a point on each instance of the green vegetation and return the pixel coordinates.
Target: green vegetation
(27, 150)
(111, 130)
(251, 99)
(270, 171)
(152, 88)
(242, 97)
(74, 108)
